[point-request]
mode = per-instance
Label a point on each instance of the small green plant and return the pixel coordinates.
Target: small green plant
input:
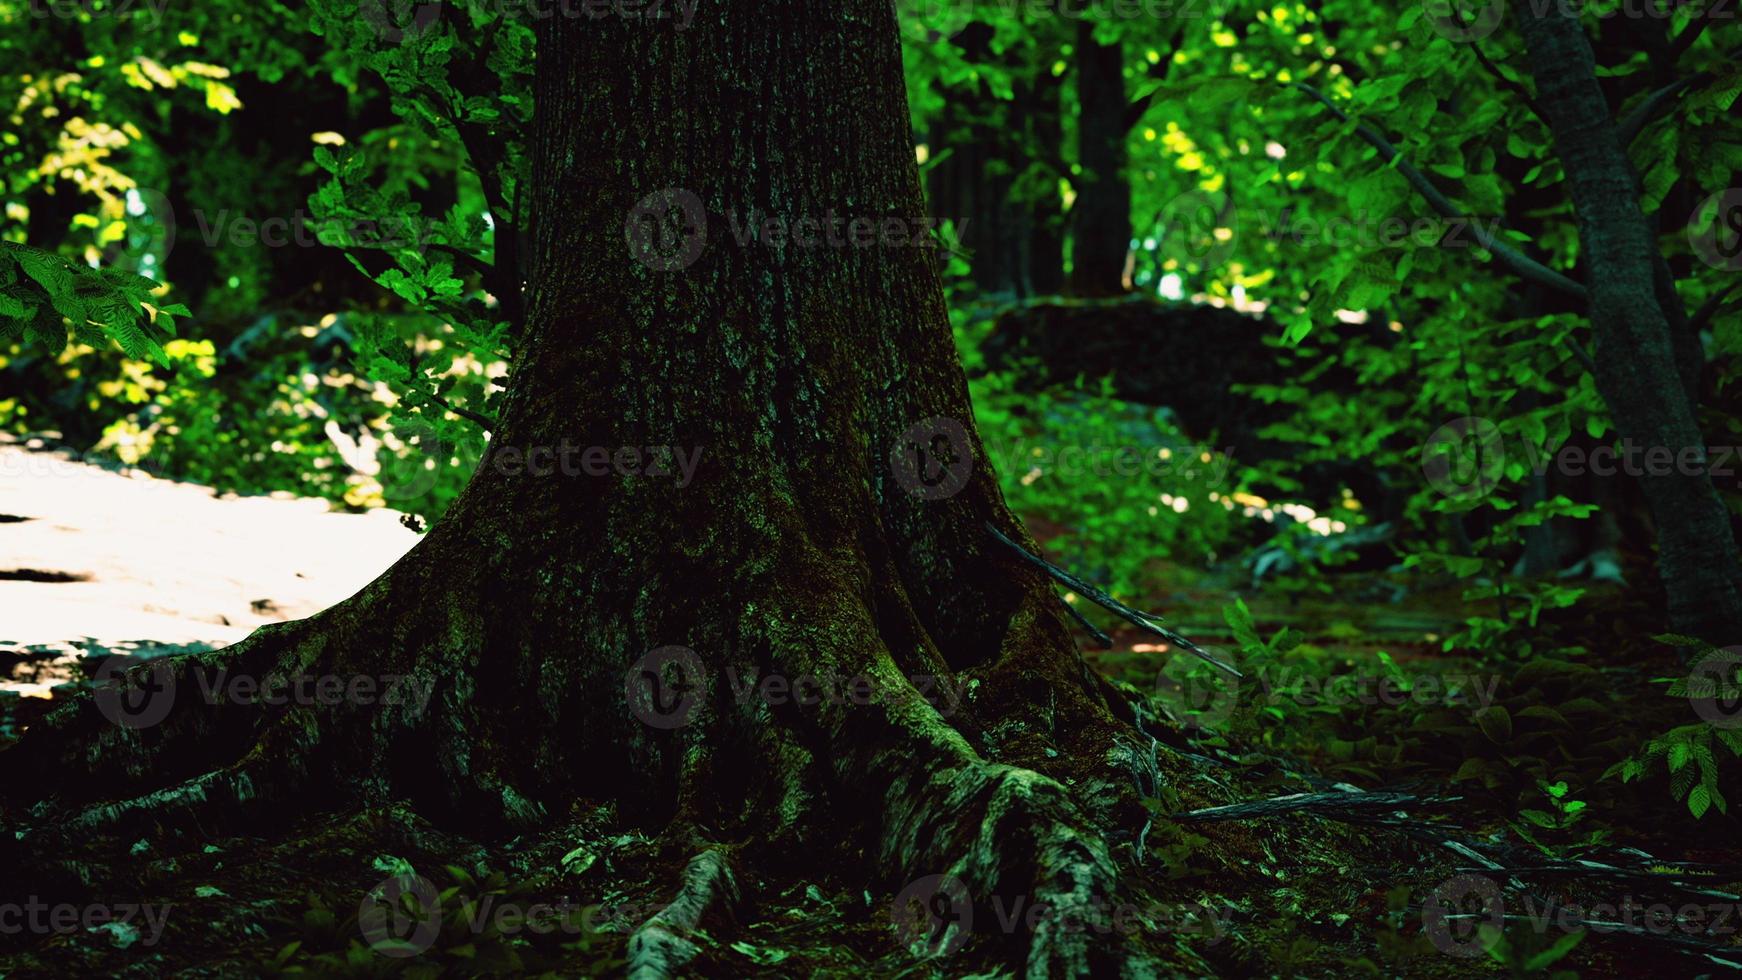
(1526, 952)
(1557, 822)
(1689, 754)
(488, 926)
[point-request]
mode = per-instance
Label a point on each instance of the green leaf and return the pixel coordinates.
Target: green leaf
(1699, 800)
(1217, 91)
(1554, 954)
(1495, 723)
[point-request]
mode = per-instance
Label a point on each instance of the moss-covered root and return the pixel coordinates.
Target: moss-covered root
(1008, 841)
(662, 947)
(107, 760)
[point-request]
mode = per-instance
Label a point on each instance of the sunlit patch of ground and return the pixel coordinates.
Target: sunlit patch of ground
(95, 561)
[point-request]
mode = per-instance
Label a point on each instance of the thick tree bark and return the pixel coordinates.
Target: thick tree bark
(798, 370)
(1637, 364)
(1102, 224)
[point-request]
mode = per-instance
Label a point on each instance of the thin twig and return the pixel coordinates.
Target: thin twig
(486, 422)
(1648, 110)
(1141, 620)
(1691, 33)
(1103, 639)
(471, 261)
(1597, 869)
(1653, 106)
(1339, 805)
(1513, 85)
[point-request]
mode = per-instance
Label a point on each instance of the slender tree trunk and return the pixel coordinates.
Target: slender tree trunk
(1637, 365)
(1046, 248)
(1102, 225)
(825, 532)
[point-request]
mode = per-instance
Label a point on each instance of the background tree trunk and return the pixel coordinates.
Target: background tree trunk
(1040, 96)
(1102, 225)
(1637, 365)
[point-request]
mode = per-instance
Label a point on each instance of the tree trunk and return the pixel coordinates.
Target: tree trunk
(1637, 365)
(972, 187)
(1102, 225)
(808, 542)
(1046, 244)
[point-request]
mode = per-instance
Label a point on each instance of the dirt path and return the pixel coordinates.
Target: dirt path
(95, 560)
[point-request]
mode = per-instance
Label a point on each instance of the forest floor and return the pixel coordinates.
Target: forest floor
(95, 562)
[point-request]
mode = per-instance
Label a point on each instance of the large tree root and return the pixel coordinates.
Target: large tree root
(1021, 786)
(663, 946)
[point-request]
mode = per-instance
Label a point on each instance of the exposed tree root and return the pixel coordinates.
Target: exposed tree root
(663, 946)
(991, 756)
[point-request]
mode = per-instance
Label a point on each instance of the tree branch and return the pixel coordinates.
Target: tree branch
(466, 258)
(1339, 805)
(1512, 85)
(1141, 620)
(1653, 106)
(1525, 266)
(485, 422)
(1691, 33)
(1103, 639)
(1709, 309)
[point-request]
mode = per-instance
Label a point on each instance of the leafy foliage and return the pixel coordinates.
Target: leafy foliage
(45, 299)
